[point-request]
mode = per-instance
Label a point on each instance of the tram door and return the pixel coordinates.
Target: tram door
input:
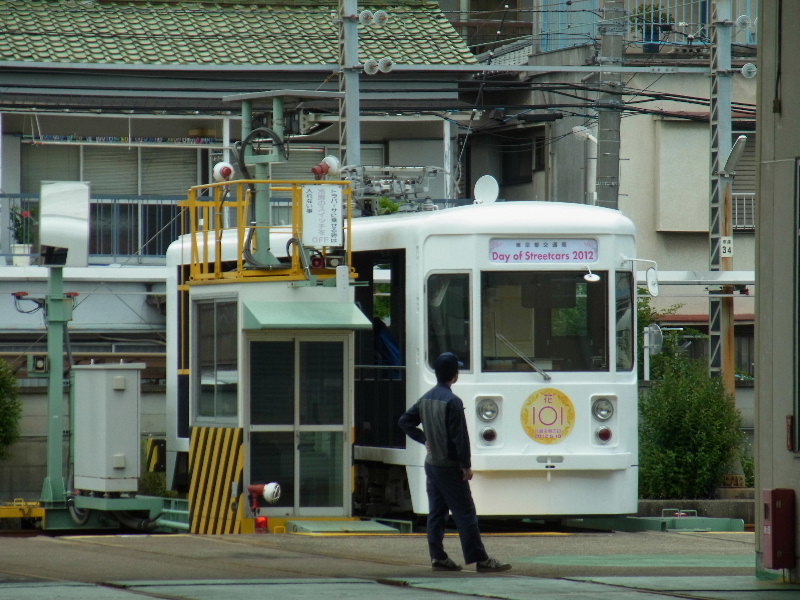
(300, 421)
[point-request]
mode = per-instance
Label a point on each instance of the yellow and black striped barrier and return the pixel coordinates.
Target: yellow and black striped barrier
(216, 463)
(156, 455)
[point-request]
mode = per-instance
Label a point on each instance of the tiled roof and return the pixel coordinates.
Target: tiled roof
(515, 53)
(292, 32)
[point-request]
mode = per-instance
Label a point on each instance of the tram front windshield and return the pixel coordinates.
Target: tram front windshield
(555, 320)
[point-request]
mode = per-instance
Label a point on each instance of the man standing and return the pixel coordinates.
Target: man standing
(448, 468)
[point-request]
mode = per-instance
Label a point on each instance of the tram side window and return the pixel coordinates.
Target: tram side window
(448, 316)
(555, 320)
(624, 319)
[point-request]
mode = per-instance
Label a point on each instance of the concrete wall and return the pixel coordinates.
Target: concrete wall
(420, 153)
(10, 157)
(665, 188)
(109, 299)
(777, 266)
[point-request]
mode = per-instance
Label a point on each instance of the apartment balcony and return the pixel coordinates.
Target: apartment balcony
(659, 26)
(133, 230)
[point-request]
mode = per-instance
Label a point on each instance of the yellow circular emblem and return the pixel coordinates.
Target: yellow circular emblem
(548, 416)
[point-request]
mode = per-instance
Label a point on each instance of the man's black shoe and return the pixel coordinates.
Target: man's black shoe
(445, 565)
(491, 565)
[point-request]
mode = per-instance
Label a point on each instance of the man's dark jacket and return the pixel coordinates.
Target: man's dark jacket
(441, 413)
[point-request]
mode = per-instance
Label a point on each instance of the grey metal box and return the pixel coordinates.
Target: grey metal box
(106, 427)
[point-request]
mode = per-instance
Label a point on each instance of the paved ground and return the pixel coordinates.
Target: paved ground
(546, 566)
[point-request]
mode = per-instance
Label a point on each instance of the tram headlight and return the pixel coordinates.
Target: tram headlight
(487, 409)
(602, 409)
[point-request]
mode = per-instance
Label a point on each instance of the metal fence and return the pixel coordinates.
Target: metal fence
(654, 26)
(139, 229)
(129, 229)
(743, 211)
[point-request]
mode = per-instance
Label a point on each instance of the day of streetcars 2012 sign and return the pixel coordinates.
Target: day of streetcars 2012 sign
(545, 250)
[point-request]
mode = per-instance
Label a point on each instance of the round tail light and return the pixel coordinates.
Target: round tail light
(488, 434)
(603, 434)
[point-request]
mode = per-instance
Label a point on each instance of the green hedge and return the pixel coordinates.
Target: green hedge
(10, 410)
(689, 433)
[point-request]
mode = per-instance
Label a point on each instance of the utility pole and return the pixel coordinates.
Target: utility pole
(610, 105)
(720, 323)
(350, 67)
(59, 313)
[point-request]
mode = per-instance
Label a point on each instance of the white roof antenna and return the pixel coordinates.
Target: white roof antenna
(486, 190)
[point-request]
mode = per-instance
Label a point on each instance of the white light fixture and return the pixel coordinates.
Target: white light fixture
(749, 70)
(366, 17)
(385, 64)
(591, 277)
(380, 18)
(584, 133)
(735, 154)
(370, 66)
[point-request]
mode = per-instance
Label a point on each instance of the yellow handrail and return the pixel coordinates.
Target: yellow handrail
(205, 208)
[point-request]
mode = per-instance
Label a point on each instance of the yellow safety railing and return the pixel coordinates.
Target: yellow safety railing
(212, 261)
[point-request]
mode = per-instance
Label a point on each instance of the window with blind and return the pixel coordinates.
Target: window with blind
(115, 171)
(43, 162)
(111, 170)
(122, 223)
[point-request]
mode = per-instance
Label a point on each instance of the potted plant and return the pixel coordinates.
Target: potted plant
(651, 20)
(23, 226)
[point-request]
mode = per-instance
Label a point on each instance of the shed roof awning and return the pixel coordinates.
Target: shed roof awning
(303, 315)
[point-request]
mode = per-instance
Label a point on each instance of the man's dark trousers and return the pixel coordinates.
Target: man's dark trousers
(448, 492)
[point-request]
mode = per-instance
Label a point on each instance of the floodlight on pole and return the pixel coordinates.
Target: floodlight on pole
(735, 155)
(584, 133)
(590, 174)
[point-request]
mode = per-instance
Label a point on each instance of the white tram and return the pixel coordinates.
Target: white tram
(538, 301)
(306, 365)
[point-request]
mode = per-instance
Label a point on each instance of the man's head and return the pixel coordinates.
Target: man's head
(446, 367)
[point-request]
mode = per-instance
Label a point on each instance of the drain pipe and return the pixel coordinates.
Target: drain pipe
(135, 522)
(303, 256)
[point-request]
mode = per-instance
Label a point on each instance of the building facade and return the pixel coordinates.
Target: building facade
(778, 409)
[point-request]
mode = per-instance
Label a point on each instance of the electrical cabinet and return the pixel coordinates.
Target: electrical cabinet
(777, 533)
(106, 427)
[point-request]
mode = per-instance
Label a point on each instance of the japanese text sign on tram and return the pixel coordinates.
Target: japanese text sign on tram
(322, 215)
(544, 250)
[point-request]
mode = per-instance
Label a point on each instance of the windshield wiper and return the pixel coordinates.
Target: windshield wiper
(516, 351)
